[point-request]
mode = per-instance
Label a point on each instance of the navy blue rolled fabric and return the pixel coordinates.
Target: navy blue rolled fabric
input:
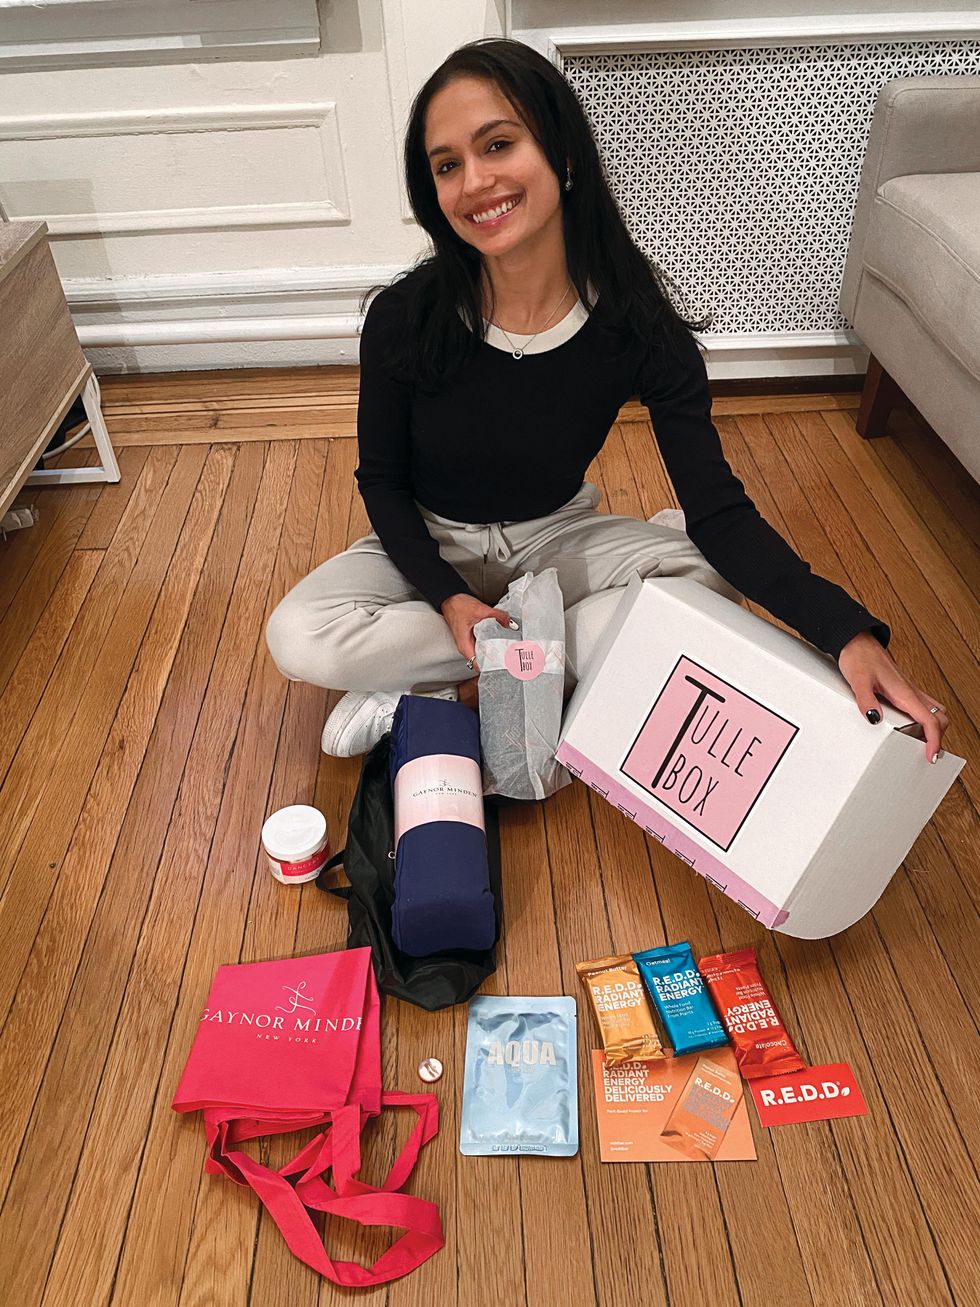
(443, 898)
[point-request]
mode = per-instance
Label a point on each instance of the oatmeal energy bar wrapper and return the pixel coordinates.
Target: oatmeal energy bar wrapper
(679, 997)
(620, 1003)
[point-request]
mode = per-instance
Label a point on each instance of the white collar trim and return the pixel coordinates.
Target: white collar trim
(544, 340)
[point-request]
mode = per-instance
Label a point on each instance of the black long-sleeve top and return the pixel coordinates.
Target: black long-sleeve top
(511, 439)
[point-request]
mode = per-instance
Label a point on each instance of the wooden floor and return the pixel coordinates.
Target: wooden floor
(144, 736)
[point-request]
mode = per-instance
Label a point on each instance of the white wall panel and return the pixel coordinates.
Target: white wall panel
(36, 34)
(176, 169)
(219, 191)
(190, 201)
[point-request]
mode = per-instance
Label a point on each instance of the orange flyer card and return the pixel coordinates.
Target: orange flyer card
(635, 1102)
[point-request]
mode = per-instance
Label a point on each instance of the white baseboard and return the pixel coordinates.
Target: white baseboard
(297, 317)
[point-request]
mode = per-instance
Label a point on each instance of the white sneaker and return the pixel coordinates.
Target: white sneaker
(362, 717)
(672, 517)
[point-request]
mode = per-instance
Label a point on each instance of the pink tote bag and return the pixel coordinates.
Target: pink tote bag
(294, 1043)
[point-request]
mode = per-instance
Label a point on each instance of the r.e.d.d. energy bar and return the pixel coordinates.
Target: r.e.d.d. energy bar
(620, 1005)
(762, 1045)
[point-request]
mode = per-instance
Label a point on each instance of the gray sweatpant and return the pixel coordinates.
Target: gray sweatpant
(355, 623)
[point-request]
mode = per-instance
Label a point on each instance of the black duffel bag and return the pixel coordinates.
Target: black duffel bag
(431, 982)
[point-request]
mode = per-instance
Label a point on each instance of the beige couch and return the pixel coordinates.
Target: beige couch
(911, 285)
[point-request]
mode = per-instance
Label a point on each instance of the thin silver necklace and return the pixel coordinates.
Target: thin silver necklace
(518, 350)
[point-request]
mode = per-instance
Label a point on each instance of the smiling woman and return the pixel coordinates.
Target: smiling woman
(491, 374)
(500, 187)
(497, 123)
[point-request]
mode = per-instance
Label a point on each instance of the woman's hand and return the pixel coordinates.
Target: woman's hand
(462, 612)
(870, 670)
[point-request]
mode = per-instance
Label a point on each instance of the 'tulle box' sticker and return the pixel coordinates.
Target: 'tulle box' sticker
(819, 1093)
(524, 660)
(707, 751)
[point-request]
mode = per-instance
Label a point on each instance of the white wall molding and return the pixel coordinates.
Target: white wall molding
(829, 29)
(93, 294)
(267, 318)
(202, 331)
(418, 35)
(270, 306)
(399, 93)
(333, 207)
(39, 34)
(216, 171)
(278, 310)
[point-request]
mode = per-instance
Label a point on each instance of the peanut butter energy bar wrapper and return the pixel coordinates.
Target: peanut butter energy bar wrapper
(620, 1003)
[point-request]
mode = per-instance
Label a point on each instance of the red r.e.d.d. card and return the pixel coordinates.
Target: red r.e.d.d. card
(816, 1094)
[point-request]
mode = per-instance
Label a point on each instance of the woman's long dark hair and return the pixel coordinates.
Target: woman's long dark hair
(632, 298)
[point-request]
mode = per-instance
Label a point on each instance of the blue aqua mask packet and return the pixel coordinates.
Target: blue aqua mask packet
(680, 999)
(520, 1088)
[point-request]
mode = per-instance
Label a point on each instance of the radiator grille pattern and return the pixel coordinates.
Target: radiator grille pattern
(737, 169)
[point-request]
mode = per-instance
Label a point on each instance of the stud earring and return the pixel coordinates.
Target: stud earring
(568, 179)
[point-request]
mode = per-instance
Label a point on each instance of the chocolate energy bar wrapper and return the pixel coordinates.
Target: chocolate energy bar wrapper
(628, 1032)
(703, 1112)
(762, 1045)
(679, 997)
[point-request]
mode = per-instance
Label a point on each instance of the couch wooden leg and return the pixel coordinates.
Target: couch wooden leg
(880, 395)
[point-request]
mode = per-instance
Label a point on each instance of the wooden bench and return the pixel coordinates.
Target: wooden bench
(42, 367)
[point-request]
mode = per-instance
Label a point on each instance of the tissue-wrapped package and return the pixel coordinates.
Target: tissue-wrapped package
(443, 898)
(522, 681)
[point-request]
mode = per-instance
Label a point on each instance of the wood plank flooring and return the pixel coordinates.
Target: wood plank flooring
(144, 736)
(304, 403)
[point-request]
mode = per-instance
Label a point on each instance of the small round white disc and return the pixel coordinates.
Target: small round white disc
(430, 1070)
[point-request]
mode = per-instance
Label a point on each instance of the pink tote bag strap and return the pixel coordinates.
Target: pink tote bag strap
(427, 1125)
(338, 1149)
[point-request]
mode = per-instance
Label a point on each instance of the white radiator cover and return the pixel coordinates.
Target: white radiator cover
(736, 169)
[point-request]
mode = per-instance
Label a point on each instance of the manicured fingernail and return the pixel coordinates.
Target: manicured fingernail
(873, 716)
(936, 756)
(514, 626)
